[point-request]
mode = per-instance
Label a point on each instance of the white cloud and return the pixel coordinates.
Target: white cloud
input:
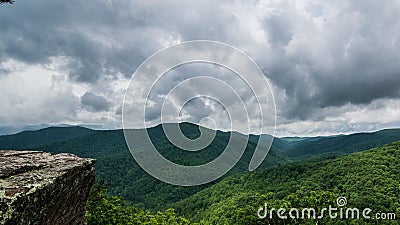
(32, 94)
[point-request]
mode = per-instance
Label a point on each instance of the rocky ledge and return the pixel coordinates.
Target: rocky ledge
(41, 188)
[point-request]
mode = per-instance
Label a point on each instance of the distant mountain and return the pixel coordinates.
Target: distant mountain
(7, 130)
(295, 140)
(45, 136)
(302, 148)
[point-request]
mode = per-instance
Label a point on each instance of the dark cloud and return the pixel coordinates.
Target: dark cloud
(94, 102)
(318, 56)
(346, 56)
(110, 40)
(95, 42)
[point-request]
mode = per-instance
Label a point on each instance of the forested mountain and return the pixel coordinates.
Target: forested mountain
(116, 165)
(45, 136)
(368, 179)
(295, 169)
(300, 148)
(338, 145)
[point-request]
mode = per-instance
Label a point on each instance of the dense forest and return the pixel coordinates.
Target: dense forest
(298, 172)
(106, 209)
(368, 179)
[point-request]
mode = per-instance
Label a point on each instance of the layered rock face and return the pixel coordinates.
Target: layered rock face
(40, 188)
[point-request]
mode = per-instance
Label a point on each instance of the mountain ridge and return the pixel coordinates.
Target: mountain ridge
(116, 165)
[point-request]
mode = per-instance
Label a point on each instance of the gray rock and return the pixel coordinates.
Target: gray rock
(40, 188)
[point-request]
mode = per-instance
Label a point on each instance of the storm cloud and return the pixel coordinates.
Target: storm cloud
(94, 102)
(326, 61)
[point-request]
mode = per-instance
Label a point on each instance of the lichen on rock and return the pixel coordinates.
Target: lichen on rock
(41, 188)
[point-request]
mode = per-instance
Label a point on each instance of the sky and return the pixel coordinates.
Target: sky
(332, 65)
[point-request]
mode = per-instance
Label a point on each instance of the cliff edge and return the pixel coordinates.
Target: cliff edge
(41, 188)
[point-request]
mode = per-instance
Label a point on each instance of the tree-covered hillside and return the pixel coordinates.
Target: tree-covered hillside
(116, 165)
(338, 145)
(32, 139)
(368, 179)
(113, 210)
(280, 182)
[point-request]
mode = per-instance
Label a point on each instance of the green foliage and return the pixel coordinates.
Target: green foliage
(116, 165)
(242, 208)
(369, 179)
(112, 210)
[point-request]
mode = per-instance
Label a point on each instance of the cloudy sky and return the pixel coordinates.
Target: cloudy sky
(333, 65)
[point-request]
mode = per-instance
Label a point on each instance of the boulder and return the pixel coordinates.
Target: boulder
(41, 188)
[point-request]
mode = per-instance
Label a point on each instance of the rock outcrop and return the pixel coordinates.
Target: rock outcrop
(44, 189)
